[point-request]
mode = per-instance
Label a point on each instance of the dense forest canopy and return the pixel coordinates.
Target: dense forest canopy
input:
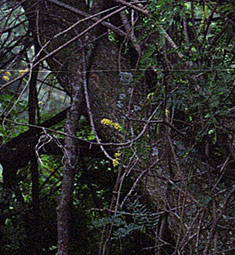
(117, 127)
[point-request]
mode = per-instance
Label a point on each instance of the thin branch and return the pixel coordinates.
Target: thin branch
(147, 14)
(89, 107)
(92, 17)
(130, 31)
(61, 47)
(213, 228)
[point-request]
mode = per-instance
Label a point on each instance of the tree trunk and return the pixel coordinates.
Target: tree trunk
(104, 88)
(71, 155)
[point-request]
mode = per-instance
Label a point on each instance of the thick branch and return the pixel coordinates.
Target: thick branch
(71, 155)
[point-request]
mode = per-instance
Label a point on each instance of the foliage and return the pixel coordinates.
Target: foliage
(157, 177)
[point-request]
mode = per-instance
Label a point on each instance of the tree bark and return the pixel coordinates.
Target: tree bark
(104, 87)
(71, 154)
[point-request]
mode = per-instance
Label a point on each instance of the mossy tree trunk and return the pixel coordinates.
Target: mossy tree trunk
(90, 60)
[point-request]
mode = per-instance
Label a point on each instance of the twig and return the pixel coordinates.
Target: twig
(213, 228)
(130, 31)
(61, 47)
(92, 17)
(147, 14)
(89, 107)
